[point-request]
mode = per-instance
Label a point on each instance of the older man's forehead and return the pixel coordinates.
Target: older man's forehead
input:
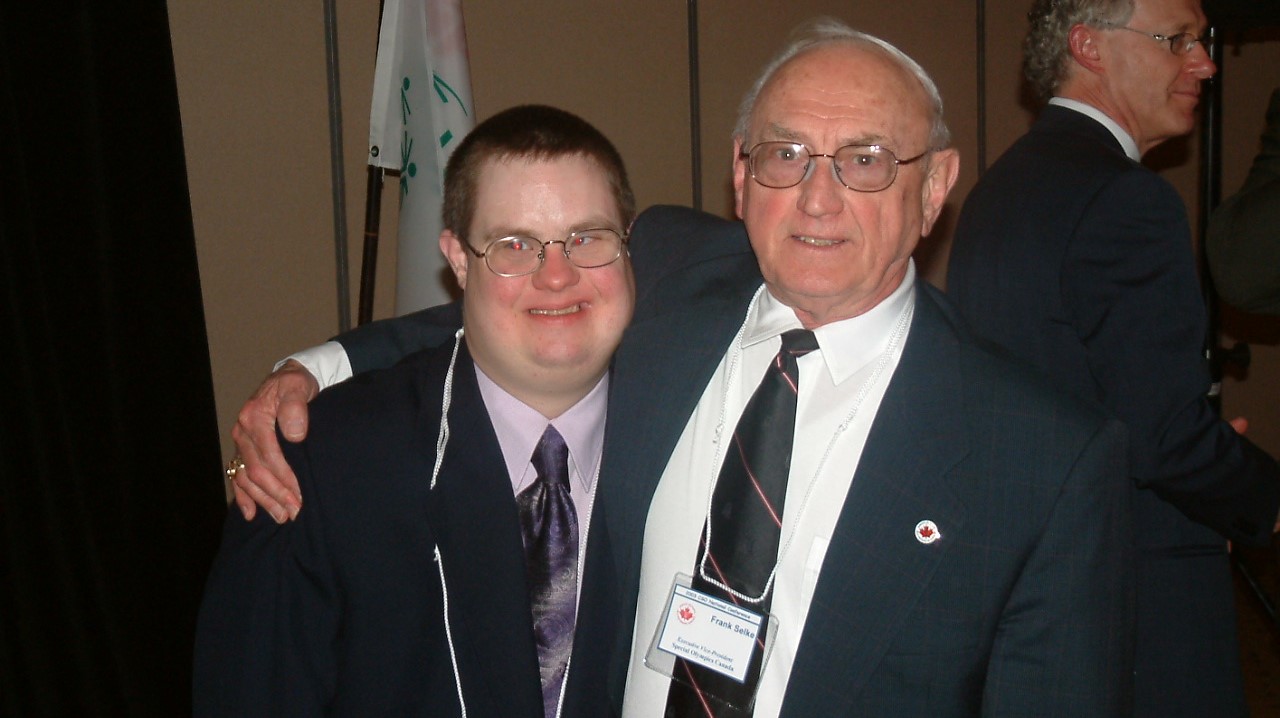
(864, 80)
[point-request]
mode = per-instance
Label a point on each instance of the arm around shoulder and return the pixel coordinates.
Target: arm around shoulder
(267, 621)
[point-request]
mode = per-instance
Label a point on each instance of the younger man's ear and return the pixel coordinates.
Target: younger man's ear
(457, 256)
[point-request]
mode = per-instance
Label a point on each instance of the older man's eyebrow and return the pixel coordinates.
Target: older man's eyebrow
(781, 132)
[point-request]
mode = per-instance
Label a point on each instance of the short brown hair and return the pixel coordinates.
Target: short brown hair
(536, 132)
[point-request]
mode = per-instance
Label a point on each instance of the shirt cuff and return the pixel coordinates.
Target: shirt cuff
(328, 363)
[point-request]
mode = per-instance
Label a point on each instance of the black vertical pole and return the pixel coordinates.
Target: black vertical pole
(695, 107)
(372, 224)
(982, 86)
(337, 180)
(1210, 195)
(369, 257)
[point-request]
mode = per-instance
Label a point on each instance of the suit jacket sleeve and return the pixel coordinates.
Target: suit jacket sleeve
(380, 344)
(1132, 289)
(1075, 593)
(269, 618)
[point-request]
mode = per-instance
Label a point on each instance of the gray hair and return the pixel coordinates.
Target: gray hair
(1045, 55)
(828, 31)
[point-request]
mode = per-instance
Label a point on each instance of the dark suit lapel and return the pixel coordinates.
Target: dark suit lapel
(666, 359)
(476, 525)
(875, 568)
(665, 362)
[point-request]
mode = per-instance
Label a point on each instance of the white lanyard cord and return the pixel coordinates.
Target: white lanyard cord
(448, 633)
(442, 438)
(582, 561)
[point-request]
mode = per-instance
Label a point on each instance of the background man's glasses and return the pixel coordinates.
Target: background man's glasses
(861, 168)
(1180, 44)
(585, 249)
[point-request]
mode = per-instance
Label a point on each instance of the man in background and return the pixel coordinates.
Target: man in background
(1077, 258)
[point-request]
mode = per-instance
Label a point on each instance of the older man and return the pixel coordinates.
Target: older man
(436, 569)
(1077, 258)
(821, 496)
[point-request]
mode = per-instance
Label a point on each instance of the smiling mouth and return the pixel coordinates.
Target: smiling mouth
(818, 241)
(572, 309)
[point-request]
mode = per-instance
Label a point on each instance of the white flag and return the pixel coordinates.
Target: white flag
(421, 110)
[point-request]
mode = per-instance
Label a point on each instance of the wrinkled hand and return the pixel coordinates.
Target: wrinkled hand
(267, 478)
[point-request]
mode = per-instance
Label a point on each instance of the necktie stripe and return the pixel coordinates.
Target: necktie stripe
(755, 483)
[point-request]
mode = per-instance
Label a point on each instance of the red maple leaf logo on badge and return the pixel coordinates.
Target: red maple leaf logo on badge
(685, 613)
(927, 532)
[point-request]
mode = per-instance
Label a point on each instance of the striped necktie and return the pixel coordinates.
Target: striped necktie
(746, 526)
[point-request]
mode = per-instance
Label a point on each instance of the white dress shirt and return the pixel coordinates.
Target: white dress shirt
(855, 355)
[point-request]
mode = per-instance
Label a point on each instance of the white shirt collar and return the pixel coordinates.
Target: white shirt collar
(1127, 143)
(847, 345)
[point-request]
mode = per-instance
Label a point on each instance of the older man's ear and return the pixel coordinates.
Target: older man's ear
(944, 168)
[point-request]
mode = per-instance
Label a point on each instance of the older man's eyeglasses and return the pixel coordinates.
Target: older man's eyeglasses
(1181, 44)
(861, 168)
(585, 249)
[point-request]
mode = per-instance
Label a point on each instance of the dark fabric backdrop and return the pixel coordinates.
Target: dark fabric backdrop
(110, 492)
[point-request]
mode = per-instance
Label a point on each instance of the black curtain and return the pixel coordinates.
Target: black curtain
(110, 499)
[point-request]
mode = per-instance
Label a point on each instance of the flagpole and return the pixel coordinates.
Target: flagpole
(336, 168)
(369, 256)
(695, 107)
(372, 223)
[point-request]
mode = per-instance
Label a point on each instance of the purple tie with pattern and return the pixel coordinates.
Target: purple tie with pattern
(549, 525)
(746, 525)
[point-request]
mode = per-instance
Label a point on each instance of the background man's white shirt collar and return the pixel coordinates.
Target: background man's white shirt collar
(1126, 140)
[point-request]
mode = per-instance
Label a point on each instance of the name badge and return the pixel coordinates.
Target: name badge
(706, 631)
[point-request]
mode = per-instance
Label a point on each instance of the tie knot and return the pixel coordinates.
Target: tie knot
(551, 457)
(798, 342)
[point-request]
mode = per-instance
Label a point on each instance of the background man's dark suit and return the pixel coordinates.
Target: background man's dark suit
(345, 603)
(1025, 487)
(1079, 260)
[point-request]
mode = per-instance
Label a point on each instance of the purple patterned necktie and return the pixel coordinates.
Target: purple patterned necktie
(746, 526)
(549, 525)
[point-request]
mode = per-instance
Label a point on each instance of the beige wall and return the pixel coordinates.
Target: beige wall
(251, 79)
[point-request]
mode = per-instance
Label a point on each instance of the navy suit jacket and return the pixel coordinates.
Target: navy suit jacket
(1023, 607)
(1079, 260)
(342, 612)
